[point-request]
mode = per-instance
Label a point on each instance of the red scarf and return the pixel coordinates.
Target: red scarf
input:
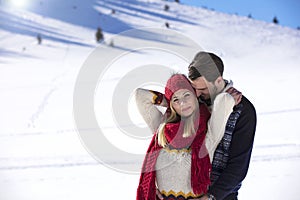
(200, 167)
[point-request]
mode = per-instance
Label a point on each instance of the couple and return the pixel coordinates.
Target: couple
(201, 148)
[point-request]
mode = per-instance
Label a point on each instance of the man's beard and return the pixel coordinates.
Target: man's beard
(206, 101)
(212, 93)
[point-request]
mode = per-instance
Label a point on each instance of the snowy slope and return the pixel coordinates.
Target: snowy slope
(42, 156)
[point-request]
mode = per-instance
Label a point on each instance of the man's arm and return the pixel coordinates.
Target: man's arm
(221, 109)
(240, 153)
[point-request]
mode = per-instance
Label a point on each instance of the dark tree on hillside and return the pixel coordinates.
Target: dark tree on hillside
(39, 38)
(167, 25)
(275, 20)
(99, 35)
(250, 16)
(166, 8)
(177, 1)
(298, 28)
(111, 43)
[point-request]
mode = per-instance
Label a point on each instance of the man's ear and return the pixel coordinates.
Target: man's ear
(219, 82)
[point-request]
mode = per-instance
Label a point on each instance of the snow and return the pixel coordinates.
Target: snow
(45, 153)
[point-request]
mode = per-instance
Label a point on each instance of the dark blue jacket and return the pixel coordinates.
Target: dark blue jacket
(235, 152)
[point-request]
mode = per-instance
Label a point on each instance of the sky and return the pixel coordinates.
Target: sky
(286, 11)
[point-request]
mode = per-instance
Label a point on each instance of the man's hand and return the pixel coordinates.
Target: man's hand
(205, 197)
(237, 95)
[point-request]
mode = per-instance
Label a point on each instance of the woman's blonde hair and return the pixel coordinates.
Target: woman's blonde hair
(189, 125)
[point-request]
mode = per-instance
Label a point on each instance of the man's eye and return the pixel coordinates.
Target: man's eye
(175, 100)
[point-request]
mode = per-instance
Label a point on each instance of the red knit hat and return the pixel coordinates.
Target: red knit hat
(175, 83)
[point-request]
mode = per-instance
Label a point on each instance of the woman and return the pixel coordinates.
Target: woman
(177, 163)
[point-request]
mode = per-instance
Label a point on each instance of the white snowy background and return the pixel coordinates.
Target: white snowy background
(41, 153)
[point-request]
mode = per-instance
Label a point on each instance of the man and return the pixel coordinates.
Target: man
(232, 156)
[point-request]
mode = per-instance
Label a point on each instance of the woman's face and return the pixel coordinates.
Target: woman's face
(184, 102)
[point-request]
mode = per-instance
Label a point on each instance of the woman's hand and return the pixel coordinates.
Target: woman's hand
(159, 98)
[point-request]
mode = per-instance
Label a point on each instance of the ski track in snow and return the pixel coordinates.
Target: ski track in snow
(41, 108)
(263, 153)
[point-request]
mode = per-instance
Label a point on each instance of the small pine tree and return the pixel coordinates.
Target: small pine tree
(167, 25)
(275, 20)
(298, 28)
(39, 38)
(177, 1)
(99, 35)
(250, 16)
(113, 11)
(167, 7)
(111, 43)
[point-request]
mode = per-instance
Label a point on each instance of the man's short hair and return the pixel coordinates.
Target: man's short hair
(206, 64)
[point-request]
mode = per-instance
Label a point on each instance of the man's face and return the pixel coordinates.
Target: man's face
(202, 87)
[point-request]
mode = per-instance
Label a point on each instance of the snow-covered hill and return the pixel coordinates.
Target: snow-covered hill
(43, 156)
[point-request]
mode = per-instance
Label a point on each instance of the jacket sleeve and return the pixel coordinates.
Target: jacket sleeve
(239, 155)
(221, 109)
(147, 108)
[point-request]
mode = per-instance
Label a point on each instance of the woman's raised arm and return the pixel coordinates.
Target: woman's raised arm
(147, 102)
